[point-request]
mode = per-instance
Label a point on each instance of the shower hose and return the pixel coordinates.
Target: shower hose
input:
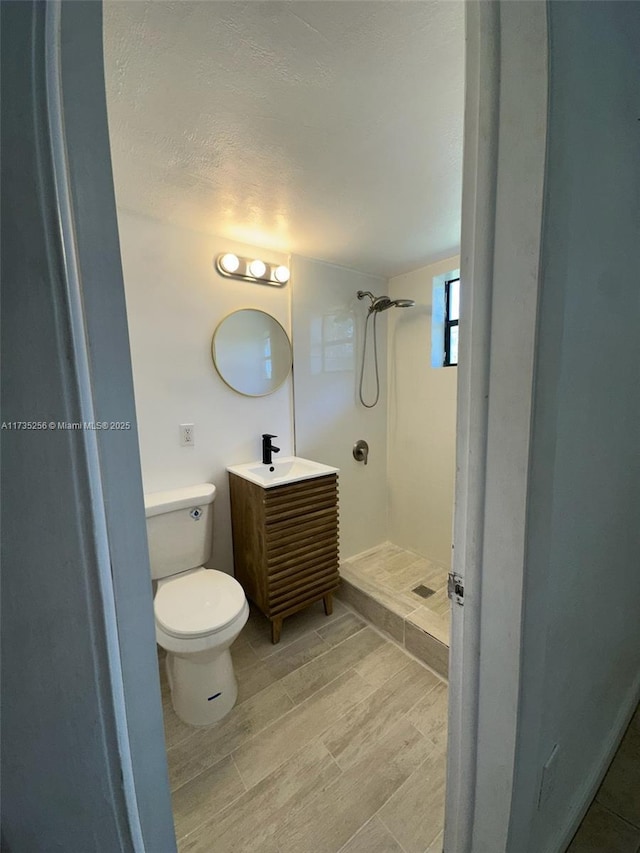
(375, 359)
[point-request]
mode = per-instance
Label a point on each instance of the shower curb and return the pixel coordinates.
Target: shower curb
(414, 639)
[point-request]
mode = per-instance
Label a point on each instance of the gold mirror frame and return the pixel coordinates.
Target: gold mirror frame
(265, 357)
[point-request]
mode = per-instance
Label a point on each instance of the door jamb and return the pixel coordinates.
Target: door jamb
(503, 189)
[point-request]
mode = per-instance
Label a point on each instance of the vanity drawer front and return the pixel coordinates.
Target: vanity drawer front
(303, 570)
(316, 539)
(322, 561)
(298, 499)
(284, 537)
(303, 582)
(302, 555)
(289, 530)
(301, 487)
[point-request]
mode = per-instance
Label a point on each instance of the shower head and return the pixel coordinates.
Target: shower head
(381, 303)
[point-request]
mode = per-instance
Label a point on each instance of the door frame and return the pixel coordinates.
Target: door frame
(502, 206)
(110, 495)
(504, 160)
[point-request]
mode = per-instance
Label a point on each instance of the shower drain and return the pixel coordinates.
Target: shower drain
(423, 591)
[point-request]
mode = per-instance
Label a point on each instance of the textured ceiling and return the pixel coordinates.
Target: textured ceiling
(329, 129)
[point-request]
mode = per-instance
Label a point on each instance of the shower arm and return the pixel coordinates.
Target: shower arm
(362, 293)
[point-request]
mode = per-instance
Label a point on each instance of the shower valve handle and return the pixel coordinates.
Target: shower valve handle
(361, 451)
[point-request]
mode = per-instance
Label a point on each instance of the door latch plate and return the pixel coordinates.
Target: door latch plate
(455, 588)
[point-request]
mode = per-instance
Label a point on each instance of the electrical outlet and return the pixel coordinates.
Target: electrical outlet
(187, 435)
(548, 779)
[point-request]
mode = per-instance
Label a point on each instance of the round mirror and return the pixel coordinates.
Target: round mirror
(251, 352)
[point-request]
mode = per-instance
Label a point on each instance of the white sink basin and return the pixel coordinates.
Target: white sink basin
(289, 469)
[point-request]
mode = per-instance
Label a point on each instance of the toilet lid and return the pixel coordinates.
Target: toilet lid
(198, 603)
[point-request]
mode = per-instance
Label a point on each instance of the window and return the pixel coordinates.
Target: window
(451, 317)
(445, 303)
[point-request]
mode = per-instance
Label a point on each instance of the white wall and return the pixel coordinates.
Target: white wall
(421, 424)
(329, 416)
(175, 300)
(581, 648)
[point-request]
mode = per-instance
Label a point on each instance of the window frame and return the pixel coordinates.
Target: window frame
(448, 324)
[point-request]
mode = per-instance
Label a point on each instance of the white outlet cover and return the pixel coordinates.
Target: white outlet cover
(187, 435)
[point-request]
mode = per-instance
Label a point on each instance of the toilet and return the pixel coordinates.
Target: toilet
(198, 612)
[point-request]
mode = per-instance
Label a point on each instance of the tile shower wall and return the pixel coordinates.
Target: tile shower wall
(422, 423)
(328, 325)
(175, 300)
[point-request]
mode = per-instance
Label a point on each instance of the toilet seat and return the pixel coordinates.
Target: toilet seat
(198, 603)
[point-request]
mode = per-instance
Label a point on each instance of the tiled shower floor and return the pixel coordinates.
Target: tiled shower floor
(380, 584)
(337, 743)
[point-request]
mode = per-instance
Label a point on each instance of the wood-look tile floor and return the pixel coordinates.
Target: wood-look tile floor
(389, 574)
(337, 743)
(612, 823)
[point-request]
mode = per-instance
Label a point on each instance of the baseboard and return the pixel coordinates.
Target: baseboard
(588, 791)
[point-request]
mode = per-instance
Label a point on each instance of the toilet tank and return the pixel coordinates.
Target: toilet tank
(179, 528)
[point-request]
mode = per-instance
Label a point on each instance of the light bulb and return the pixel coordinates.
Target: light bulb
(281, 274)
(229, 262)
(257, 268)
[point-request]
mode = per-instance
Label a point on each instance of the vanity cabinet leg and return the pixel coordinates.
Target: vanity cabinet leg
(276, 628)
(328, 603)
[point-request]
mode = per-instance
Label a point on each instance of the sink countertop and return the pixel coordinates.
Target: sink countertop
(288, 469)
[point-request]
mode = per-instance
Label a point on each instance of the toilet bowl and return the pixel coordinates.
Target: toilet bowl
(199, 612)
(198, 616)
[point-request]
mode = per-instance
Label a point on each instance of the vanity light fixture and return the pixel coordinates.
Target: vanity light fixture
(281, 274)
(252, 269)
(257, 268)
(229, 262)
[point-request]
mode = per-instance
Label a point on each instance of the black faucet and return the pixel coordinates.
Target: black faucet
(268, 448)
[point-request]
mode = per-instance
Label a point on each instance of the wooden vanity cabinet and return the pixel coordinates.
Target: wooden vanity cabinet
(285, 544)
